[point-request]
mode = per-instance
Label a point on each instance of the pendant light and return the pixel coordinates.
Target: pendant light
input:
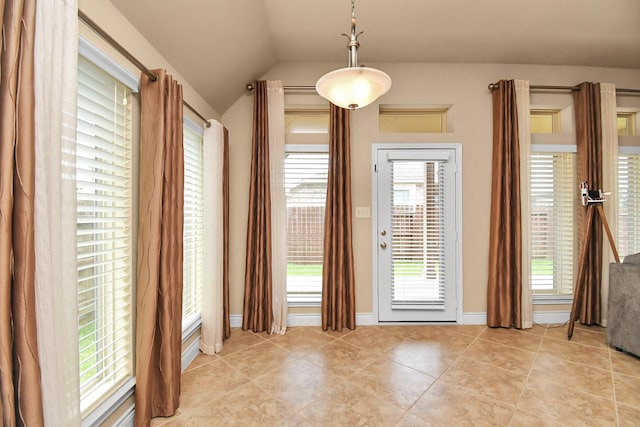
(353, 87)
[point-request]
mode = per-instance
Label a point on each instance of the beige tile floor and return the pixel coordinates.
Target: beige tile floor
(412, 376)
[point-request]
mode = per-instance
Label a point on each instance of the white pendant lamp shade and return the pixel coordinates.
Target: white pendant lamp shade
(353, 87)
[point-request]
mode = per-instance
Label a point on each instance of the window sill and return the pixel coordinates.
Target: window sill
(110, 404)
(189, 326)
(552, 299)
(304, 301)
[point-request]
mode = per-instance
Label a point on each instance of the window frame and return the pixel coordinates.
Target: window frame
(387, 111)
(538, 299)
(304, 148)
(542, 299)
(99, 411)
(191, 323)
(554, 114)
(625, 151)
(317, 112)
(630, 118)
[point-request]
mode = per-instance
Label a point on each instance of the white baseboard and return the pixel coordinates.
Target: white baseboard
(304, 319)
(551, 316)
(308, 319)
(315, 319)
(471, 318)
(480, 318)
(367, 319)
(235, 320)
(127, 419)
(190, 353)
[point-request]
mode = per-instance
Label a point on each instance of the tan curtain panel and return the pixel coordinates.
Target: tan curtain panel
(257, 311)
(20, 389)
(504, 288)
(160, 223)
(226, 321)
(589, 168)
(338, 280)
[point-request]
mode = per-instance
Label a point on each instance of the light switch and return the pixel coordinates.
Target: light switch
(363, 212)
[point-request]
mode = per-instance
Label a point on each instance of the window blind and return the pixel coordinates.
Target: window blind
(305, 181)
(193, 231)
(104, 233)
(553, 192)
(417, 222)
(629, 204)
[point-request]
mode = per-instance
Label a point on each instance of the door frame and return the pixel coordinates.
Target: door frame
(457, 148)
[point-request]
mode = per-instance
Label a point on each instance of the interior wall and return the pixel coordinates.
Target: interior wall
(103, 13)
(464, 86)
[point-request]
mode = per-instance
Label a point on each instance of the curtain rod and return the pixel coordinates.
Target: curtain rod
(493, 86)
(102, 33)
(251, 86)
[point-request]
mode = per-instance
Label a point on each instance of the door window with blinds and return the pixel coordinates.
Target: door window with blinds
(416, 214)
(628, 203)
(553, 194)
(305, 182)
(417, 230)
(193, 231)
(104, 233)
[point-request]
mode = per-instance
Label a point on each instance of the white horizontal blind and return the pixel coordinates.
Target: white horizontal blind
(553, 192)
(418, 242)
(104, 233)
(629, 204)
(193, 231)
(305, 182)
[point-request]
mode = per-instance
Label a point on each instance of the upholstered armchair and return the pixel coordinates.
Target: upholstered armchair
(623, 320)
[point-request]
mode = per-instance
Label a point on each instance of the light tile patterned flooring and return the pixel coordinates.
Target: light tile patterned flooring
(412, 376)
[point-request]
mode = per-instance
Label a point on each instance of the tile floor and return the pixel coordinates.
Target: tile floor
(412, 376)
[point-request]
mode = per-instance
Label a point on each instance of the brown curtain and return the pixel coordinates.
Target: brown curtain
(504, 289)
(160, 222)
(20, 389)
(257, 314)
(589, 168)
(226, 322)
(338, 280)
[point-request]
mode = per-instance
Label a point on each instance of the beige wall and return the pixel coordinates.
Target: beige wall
(462, 85)
(103, 13)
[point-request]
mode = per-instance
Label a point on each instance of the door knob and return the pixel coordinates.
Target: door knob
(383, 245)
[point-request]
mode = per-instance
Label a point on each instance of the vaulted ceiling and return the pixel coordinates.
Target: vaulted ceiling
(220, 45)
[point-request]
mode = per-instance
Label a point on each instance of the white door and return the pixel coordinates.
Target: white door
(417, 222)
